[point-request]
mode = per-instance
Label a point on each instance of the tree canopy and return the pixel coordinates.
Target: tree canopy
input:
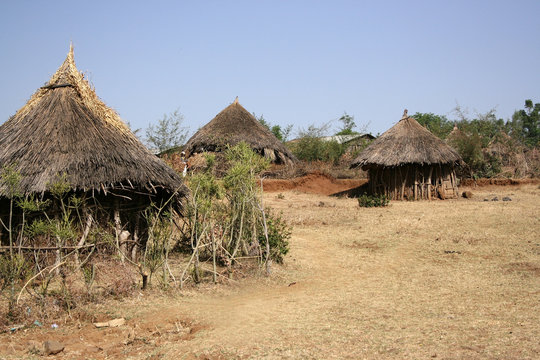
(526, 123)
(167, 133)
(348, 125)
(281, 133)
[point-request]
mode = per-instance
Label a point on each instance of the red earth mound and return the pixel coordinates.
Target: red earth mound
(315, 183)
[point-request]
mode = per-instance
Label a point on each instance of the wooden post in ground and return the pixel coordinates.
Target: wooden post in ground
(118, 229)
(134, 249)
(429, 182)
(415, 184)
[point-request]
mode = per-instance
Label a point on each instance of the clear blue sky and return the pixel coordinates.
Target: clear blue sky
(295, 62)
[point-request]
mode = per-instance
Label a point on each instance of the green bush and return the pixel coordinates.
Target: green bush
(314, 149)
(373, 200)
(311, 146)
(225, 220)
(13, 270)
(479, 161)
(279, 232)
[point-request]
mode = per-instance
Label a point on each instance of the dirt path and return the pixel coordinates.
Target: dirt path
(444, 279)
(381, 283)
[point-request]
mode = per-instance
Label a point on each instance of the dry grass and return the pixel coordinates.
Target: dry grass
(454, 279)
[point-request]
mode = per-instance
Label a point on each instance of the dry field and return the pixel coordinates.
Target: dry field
(454, 279)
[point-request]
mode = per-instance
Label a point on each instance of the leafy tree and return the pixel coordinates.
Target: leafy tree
(348, 125)
(281, 133)
(486, 126)
(168, 132)
(311, 147)
(471, 149)
(439, 125)
(526, 123)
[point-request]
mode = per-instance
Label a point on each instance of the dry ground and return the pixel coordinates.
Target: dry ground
(454, 279)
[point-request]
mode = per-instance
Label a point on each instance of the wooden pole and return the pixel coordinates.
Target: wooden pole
(404, 182)
(422, 195)
(395, 186)
(454, 183)
(429, 182)
(134, 249)
(415, 185)
(118, 229)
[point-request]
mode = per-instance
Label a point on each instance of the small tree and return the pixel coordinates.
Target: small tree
(311, 146)
(526, 124)
(348, 125)
(439, 125)
(168, 132)
(281, 133)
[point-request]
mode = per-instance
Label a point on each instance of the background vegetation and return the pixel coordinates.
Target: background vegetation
(491, 146)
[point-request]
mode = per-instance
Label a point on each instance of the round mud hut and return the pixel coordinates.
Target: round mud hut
(233, 125)
(66, 134)
(409, 162)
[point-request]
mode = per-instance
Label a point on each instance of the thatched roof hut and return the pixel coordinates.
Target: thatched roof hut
(455, 134)
(235, 124)
(408, 161)
(66, 130)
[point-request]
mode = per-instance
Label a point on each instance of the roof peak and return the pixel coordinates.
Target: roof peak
(404, 116)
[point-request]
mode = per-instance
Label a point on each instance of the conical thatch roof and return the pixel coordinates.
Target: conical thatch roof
(407, 142)
(235, 124)
(66, 129)
(456, 133)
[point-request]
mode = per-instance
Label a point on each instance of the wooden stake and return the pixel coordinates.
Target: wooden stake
(415, 184)
(118, 229)
(429, 182)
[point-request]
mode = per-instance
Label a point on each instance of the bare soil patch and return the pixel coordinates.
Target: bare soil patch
(453, 279)
(314, 183)
(498, 182)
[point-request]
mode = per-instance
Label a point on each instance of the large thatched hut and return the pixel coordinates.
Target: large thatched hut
(409, 162)
(235, 124)
(66, 133)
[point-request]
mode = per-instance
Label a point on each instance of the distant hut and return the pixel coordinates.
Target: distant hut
(455, 135)
(235, 124)
(65, 131)
(409, 162)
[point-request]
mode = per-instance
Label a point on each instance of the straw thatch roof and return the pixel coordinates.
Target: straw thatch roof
(235, 124)
(66, 129)
(407, 142)
(456, 133)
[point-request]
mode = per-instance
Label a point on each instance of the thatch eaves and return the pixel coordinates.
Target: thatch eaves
(233, 125)
(407, 142)
(66, 129)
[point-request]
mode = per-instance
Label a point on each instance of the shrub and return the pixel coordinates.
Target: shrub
(279, 232)
(311, 146)
(373, 200)
(314, 149)
(480, 162)
(225, 220)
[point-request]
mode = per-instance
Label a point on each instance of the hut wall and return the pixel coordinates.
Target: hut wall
(414, 182)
